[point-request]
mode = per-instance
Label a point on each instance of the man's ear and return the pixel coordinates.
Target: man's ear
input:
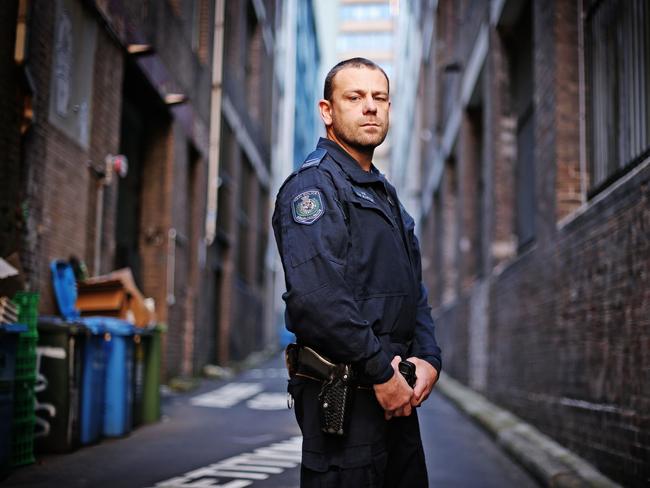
(325, 109)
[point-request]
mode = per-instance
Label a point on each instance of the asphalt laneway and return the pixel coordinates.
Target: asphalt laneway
(239, 433)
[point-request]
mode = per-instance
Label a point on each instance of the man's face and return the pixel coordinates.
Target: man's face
(358, 114)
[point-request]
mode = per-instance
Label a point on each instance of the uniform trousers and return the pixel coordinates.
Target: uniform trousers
(375, 452)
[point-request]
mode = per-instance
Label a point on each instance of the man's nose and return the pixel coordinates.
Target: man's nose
(369, 105)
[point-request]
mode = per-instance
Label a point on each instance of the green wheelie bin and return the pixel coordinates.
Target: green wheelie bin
(151, 390)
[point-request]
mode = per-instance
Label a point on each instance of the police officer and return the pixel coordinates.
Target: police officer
(355, 293)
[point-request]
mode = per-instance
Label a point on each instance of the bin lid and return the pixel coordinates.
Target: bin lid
(118, 326)
(95, 325)
(65, 288)
(52, 323)
(13, 328)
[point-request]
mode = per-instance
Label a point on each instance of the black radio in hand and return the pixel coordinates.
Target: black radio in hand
(407, 368)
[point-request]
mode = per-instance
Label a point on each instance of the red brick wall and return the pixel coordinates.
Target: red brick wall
(570, 334)
(104, 140)
(60, 193)
(568, 319)
(567, 118)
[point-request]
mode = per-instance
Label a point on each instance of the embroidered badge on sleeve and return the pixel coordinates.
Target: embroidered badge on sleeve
(307, 207)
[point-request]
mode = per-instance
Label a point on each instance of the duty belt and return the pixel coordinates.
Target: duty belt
(303, 361)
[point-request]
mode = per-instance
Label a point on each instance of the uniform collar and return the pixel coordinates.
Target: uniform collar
(349, 164)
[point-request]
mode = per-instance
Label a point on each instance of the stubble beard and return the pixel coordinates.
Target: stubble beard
(357, 139)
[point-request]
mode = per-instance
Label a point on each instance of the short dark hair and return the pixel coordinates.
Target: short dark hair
(349, 63)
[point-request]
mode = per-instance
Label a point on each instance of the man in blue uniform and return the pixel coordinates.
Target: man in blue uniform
(354, 292)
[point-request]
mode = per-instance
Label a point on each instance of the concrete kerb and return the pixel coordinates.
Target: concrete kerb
(553, 465)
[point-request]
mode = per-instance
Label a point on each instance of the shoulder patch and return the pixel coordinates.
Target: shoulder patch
(307, 207)
(363, 194)
(314, 158)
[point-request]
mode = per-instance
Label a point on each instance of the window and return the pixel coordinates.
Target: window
(370, 11)
(371, 41)
(617, 64)
(244, 220)
(450, 229)
(520, 57)
(263, 235)
(73, 44)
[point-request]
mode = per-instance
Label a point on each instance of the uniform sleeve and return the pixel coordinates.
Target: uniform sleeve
(424, 345)
(320, 306)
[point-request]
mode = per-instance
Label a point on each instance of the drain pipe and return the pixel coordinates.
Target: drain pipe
(215, 124)
(119, 165)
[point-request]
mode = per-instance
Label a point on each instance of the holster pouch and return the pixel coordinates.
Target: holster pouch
(335, 401)
(335, 396)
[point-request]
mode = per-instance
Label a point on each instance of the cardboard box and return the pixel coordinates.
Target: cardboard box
(114, 295)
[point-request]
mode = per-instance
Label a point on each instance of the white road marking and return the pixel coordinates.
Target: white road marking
(277, 454)
(257, 469)
(268, 401)
(257, 461)
(204, 483)
(239, 474)
(244, 468)
(227, 395)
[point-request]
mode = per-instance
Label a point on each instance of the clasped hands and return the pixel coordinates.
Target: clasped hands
(396, 397)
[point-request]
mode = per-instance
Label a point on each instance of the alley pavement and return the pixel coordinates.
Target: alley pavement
(239, 433)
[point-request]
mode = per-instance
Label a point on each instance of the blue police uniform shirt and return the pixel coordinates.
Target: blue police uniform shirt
(352, 266)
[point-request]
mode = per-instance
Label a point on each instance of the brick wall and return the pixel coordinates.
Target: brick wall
(556, 332)
(243, 213)
(61, 193)
(57, 170)
(105, 139)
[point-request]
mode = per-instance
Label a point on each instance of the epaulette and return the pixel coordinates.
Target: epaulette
(314, 158)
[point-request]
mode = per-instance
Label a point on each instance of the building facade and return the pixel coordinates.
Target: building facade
(366, 29)
(238, 276)
(98, 79)
(298, 56)
(535, 214)
(411, 47)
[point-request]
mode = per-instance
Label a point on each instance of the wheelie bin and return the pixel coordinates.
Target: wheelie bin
(58, 384)
(151, 400)
(141, 340)
(93, 380)
(118, 400)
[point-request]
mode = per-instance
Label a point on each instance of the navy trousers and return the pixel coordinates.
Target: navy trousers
(375, 452)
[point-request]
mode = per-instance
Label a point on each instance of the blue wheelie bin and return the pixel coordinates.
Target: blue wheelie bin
(107, 384)
(93, 379)
(118, 403)
(94, 356)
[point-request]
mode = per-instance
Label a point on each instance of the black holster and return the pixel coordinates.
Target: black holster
(336, 394)
(335, 400)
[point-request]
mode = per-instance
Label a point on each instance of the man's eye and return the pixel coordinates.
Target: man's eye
(354, 97)
(381, 99)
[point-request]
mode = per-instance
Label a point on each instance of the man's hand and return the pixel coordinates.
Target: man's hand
(426, 378)
(395, 396)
